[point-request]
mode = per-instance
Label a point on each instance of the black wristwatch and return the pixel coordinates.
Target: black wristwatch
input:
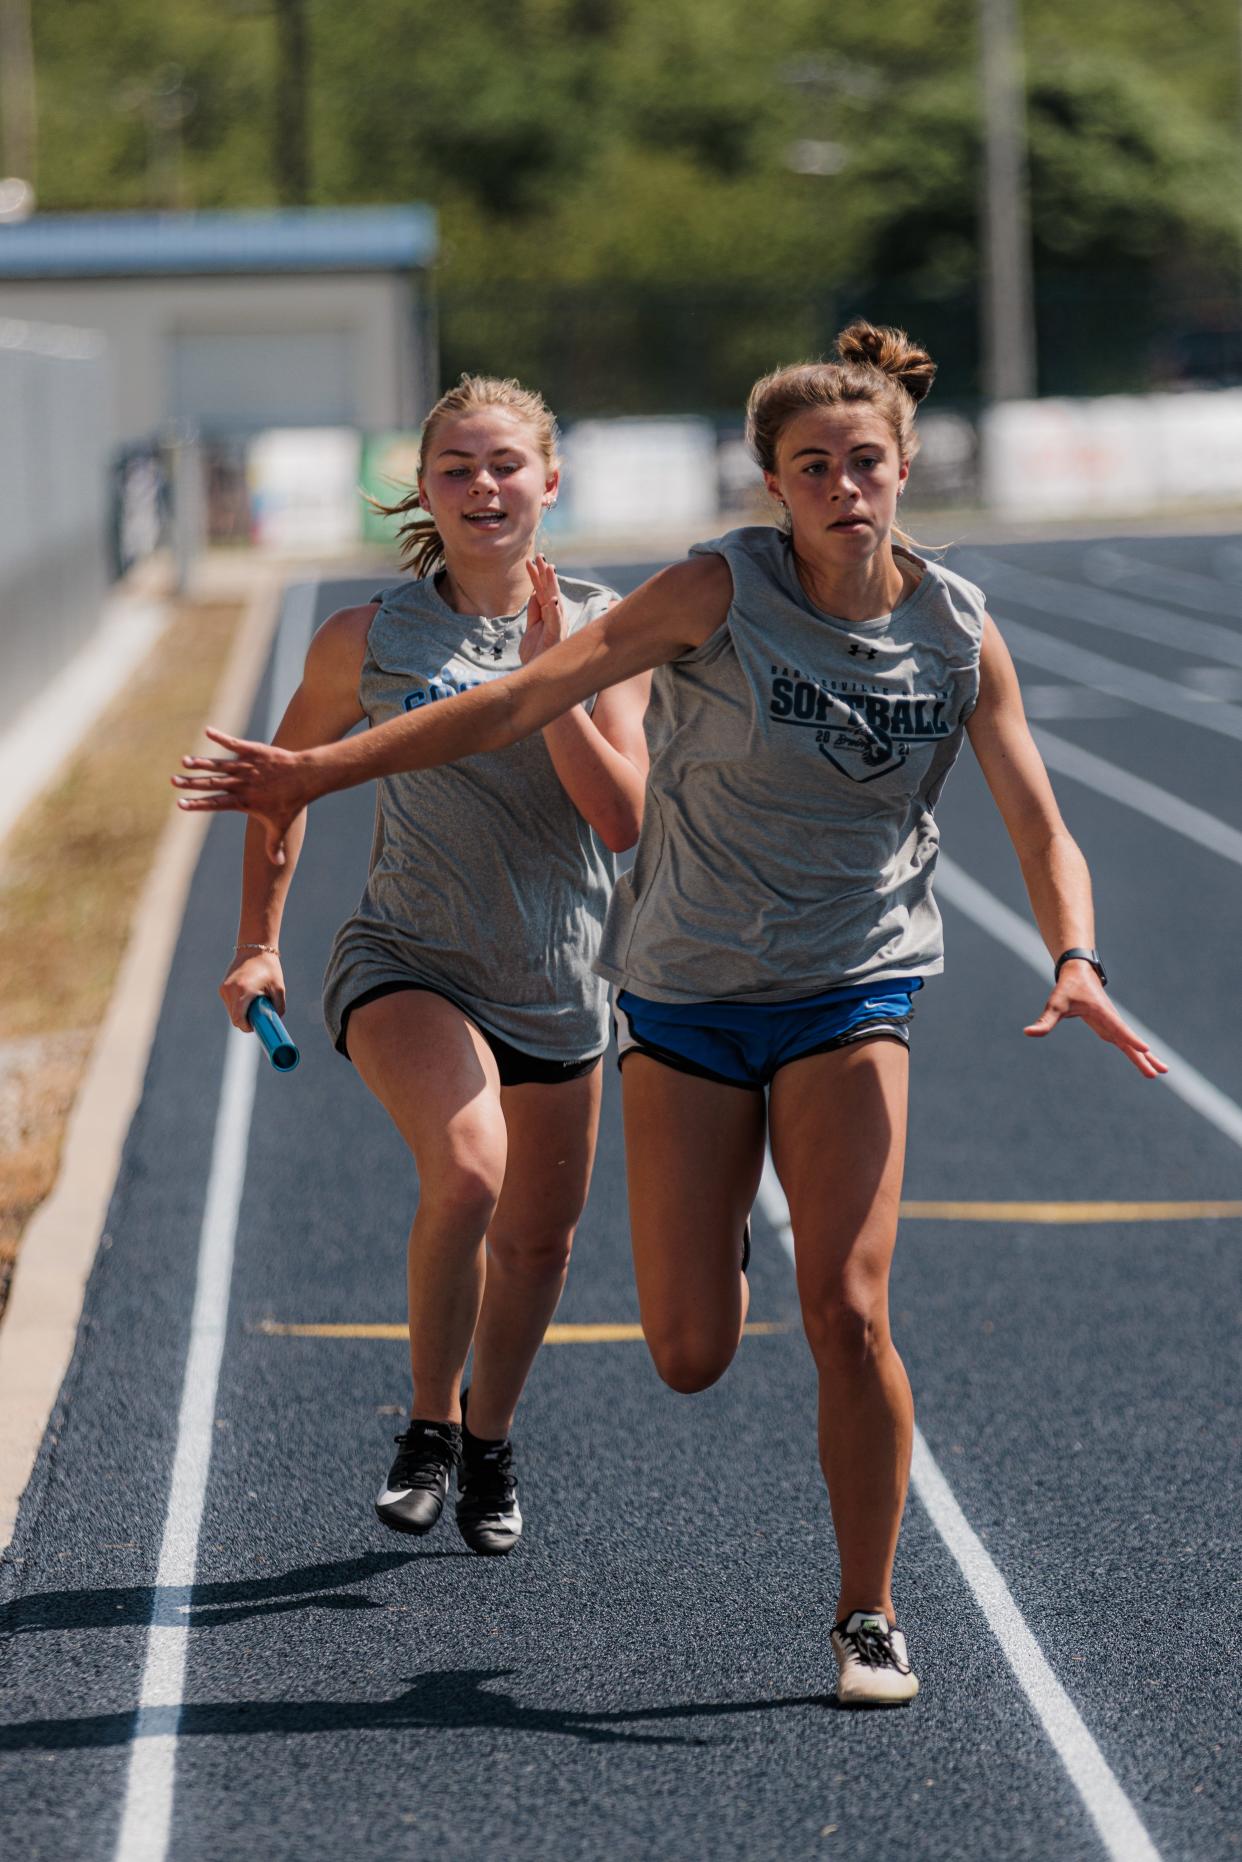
(1088, 956)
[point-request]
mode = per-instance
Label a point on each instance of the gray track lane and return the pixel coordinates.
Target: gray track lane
(647, 1674)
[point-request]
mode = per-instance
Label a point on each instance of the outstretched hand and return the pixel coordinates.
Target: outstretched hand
(256, 779)
(545, 614)
(1080, 995)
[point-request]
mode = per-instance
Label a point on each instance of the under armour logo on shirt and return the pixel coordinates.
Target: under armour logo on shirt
(867, 652)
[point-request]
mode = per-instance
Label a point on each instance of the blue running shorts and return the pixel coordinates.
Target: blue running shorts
(745, 1043)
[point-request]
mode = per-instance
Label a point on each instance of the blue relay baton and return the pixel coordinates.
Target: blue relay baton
(281, 1050)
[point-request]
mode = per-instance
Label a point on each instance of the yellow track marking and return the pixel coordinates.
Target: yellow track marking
(618, 1334)
(911, 1212)
(275, 1329)
(555, 1335)
(1069, 1212)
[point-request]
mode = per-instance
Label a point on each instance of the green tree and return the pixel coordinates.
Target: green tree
(633, 164)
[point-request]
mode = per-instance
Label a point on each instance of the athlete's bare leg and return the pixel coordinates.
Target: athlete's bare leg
(552, 1132)
(694, 1156)
(435, 1075)
(838, 1125)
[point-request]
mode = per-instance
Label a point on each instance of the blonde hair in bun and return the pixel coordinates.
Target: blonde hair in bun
(881, 347)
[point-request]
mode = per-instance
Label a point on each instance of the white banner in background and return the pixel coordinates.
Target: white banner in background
(628, 474)
(1118, 455)
(304, 488)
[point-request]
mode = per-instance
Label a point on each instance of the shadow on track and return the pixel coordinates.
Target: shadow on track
(207, 1606)
(450, 1700)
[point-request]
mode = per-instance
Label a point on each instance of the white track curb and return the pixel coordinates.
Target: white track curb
(45, 1302)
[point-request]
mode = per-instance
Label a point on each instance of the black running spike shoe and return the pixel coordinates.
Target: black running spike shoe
(413, 1496)
(488, 1515)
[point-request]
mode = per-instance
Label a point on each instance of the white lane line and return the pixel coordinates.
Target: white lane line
(1052, 703)
(1072, 601)
(1024, 941)
(1120, 1829)
(147, 1814)
(1168, 810)
(775, 1208)
(1165, 696)
(1114, 1817)
(1185, 588)
(146, 1817)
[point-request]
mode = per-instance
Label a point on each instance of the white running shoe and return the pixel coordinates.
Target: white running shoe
(873, 1668)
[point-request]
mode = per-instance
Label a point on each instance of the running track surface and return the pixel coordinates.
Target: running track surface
(649, 1674)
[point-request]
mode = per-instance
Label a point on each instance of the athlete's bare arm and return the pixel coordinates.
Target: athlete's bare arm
(600, 756)
(674, 612)
(601, 760)
(1057, 880)
(324, 707)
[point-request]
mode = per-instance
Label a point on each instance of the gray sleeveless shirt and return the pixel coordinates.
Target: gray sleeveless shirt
(789, 840)
(485, 884)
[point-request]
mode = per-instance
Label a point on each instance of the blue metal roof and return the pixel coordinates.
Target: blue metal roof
(142, 245)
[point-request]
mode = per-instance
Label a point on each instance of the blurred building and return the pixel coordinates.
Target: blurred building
(57, 393)
(236, 322)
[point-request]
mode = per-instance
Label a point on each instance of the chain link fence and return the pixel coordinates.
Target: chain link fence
(611, 349)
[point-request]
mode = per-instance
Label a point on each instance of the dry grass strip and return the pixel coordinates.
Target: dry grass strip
(70, 874)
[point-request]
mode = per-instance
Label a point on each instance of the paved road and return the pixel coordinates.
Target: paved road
(648, 1675)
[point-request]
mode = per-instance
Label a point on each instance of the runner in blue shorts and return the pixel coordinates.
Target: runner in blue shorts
(814, 685)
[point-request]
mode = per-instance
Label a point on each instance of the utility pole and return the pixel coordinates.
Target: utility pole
(292, 151)
(17, 92)
(1008, 315)
(1238, 272)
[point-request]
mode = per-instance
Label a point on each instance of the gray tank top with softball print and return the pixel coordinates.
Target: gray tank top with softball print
(789, 837)
(486, 884)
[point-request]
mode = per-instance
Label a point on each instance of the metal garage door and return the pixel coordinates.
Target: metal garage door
(240, 382)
